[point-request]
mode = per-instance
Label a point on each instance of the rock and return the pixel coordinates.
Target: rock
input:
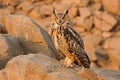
(84, 3)
(89, 23)
(32, 37)
(42, 67)
(86, 23)
(107, 74)
(9, 47)
(79, 29)
(4, 11)
(112, 6)
(63, 76)
(72, 12)
(96, 31)
(96, 1)
(97, 23)
(96, 4)
(91, 42)
(2, 29)
(113, 49)
(102, 57)
(106, 34)
(80, 3)
(47, 25)
(25, 6)
(46, 10)
(85, 12)
(38, 67)
(89, 74)
(15, 2)
(35, 14)
(4, 2)
(106, 27)
(104, 21)
(108, 18)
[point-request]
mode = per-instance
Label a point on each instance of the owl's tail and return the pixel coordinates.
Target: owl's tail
(83, 59)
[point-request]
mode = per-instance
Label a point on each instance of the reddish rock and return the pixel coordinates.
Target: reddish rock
(104, 21)
(2, 29)
(82, 22)
(4, 11)
(84, 12)
(106, 34)
(97, 1)
(97, 22)
(108, 18)
(72, 12)
(25, 6)
(112, 6)
(46, 10)
(105, 26)
(79, 29)
(15, 2)
(47, 25)
(89, 23)
(84, 3)
(91, 42)
(96, 6)
(35, 14)
(96, 31)
(113, 49)
(76, 2)
(88, 73)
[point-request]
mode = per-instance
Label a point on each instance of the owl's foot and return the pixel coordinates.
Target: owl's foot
(66, 63)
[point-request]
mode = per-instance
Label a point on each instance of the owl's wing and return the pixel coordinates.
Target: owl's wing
(76, 46)
(71, 34)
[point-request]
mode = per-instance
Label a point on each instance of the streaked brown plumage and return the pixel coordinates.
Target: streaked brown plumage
(67, 41)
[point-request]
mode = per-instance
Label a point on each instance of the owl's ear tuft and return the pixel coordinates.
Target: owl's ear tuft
(54, 12)
(65, 13)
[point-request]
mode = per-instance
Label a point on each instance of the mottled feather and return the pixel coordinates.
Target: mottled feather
(76, 46)
(67, 41)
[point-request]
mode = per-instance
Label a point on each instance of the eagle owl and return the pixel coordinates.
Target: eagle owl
(67, 41)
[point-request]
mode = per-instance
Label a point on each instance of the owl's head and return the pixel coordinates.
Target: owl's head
(60, 19)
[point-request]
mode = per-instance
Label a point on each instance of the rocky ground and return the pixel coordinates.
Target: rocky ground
(24, 32)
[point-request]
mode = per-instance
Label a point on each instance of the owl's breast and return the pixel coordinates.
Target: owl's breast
(60, 43)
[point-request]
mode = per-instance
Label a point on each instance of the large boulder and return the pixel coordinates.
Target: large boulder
(32, 37)
(36, 67)
(42, 67)
(9, 47)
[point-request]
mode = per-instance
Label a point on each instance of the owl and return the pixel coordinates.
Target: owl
(67, 41)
